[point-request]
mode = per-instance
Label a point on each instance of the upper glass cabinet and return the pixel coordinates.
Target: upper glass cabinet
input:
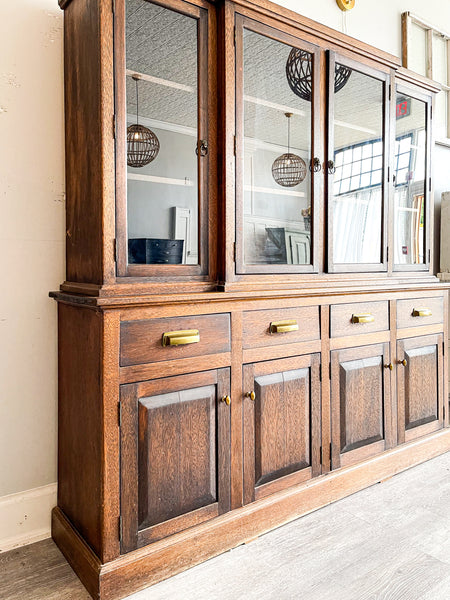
(162, 140)
(275, 104)
(411, 181)
(357, 167)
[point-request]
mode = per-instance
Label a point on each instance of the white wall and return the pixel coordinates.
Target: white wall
(32, 223)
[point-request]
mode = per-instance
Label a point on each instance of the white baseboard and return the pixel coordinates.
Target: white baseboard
(26, 517)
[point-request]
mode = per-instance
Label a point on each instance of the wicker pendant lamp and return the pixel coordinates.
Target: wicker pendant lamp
(299, 74)
(142, 143)
(289, 170)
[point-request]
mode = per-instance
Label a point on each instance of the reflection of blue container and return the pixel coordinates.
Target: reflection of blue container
(150, 251)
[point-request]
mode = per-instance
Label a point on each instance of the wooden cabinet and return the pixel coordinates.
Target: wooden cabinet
(250, 327)
(281, 424)
(361, 409)
(175, 454)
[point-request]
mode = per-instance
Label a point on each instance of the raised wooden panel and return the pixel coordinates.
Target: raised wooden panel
(341, 323)
(279, 424)
(175, 455)
(420, 385)
(361, 403)
(407, 308)
(256, 326)
(141, 341)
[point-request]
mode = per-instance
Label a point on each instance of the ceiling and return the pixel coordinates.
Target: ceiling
(162, 44)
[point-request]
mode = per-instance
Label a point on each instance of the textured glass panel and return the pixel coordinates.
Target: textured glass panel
(357, 199)
(417, 50)
(277, 188)
(162, 195)
(410, 188)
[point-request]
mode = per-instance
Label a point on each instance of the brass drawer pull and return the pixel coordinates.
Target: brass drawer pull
(250, 395)
(283, 326)
(226, 399)
(403, 362)
(421, 312)
(180, 338)
(363, 318)
(390, 366)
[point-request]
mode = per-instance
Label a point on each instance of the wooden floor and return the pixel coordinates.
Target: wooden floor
(389, 542)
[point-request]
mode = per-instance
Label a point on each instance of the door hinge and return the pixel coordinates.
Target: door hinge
(320, 372)
(113, 6)
(329, 370)
(115, 250)
(429, 255)
(321, 455)
(429, 184)
(119, 414)
(114, 126)
(234, 35)
(387, 253)
(443, 348)
(234, 145)
(120, 526)
(234, 251)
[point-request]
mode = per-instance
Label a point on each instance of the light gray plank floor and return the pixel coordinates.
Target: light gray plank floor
(388, 542)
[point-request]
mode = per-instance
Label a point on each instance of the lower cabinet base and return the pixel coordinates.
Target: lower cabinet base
(149, 565)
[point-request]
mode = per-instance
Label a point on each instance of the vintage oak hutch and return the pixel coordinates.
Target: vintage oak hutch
(250, 327)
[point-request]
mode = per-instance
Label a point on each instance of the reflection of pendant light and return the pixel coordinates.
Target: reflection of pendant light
(142, 144)
(299, 74)
(289, 169)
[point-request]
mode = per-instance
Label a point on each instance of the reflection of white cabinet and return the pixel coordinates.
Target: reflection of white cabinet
(298, 244)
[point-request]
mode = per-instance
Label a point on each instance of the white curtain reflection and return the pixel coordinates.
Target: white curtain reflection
(356, 240)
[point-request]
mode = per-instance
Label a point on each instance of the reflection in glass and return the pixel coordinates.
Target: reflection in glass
(162, 196)
(358, 179)
(409, 171)
(277, 217)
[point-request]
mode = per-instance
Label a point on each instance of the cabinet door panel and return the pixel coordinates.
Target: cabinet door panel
(420, 386)
(281, 424)
(361, 403)
(175, 453)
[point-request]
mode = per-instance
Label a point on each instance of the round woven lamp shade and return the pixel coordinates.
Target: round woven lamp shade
(299, 74)
(142, 146)
(289, 170)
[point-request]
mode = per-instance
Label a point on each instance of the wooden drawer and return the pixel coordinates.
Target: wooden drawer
(342, 316)
(257, 326)
(141, 341)
(406, 310)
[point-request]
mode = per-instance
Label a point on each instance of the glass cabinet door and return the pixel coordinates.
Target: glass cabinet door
(162, 139)
(411, 177)
(357, 167)
(276, 102)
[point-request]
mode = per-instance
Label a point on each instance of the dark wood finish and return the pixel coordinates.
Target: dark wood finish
(164, 558)
(141, 341)
(341, 318)
(175, 455)
(256, 326)
(88, 59)
(420, 386)
(281, 425)
(361, 403)
(405, 310)
(80, 485)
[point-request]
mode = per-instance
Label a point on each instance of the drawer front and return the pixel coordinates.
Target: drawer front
(417, 312)
(373, 316)
(289, 325)
(142, 341)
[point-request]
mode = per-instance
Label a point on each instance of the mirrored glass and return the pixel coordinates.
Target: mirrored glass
(162, 172)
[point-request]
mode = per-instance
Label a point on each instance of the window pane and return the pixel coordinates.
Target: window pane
(417, 50)
(410, 189)
(357, 202)
(440, 115)
(440, 59)
(162, 193)
(277, 153)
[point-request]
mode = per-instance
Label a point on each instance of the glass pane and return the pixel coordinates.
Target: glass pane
(441, 115)
(410, 168)
(357, 188)
(277, 153)
(417, 50)
(162, 190)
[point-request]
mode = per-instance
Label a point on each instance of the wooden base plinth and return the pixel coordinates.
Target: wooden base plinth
(144, 567)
